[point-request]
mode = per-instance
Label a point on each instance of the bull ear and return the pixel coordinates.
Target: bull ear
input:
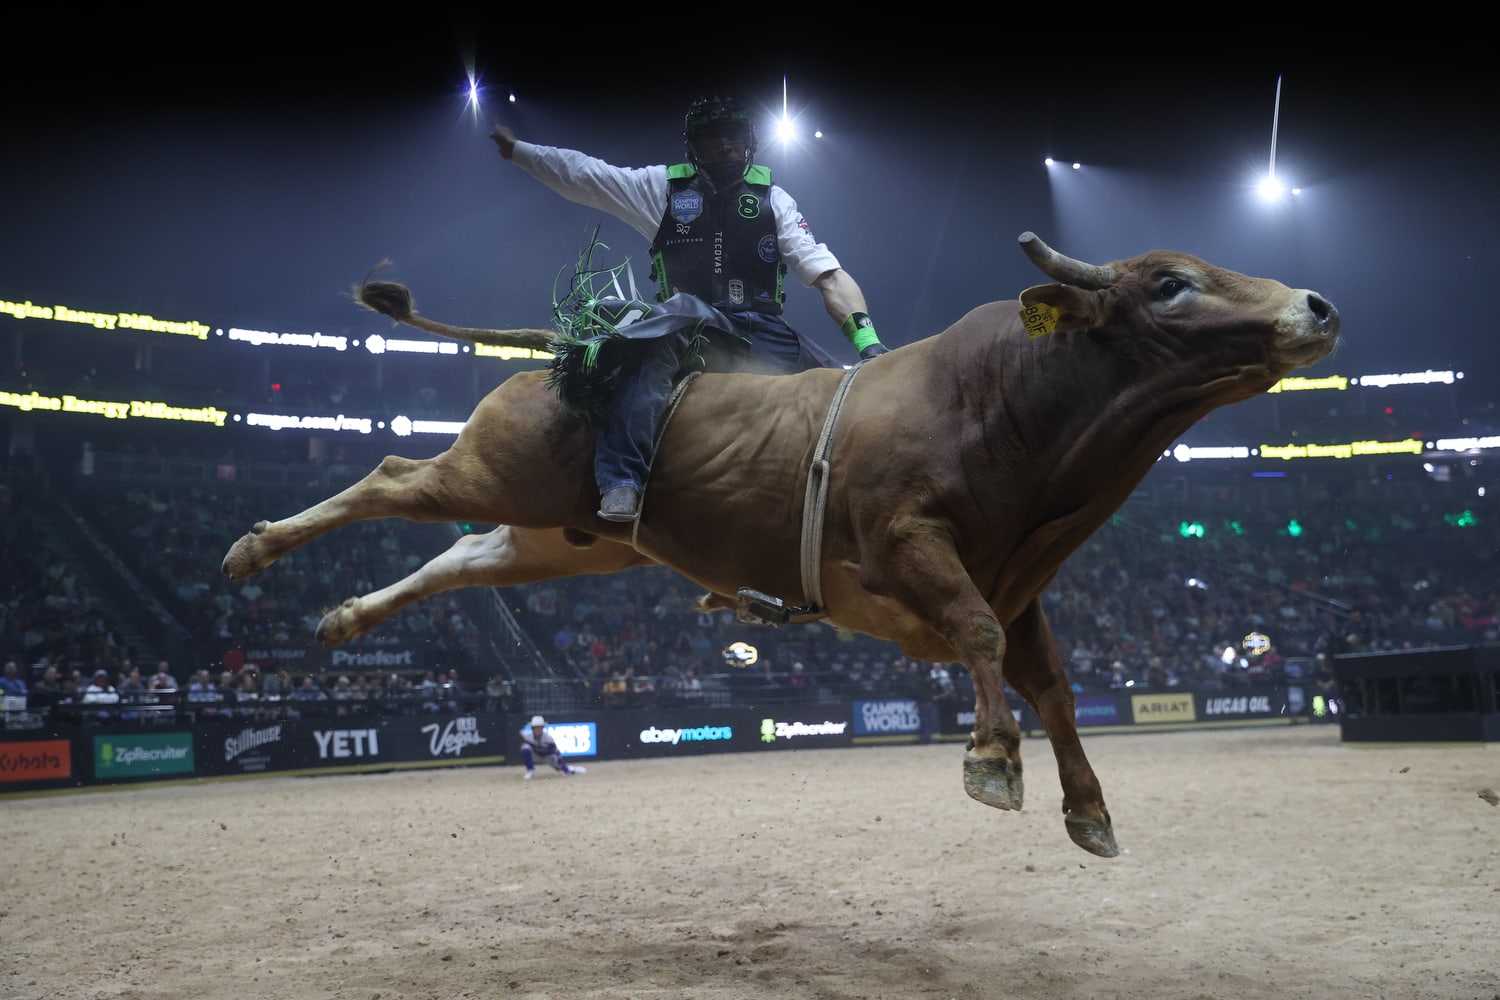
(1072, 308)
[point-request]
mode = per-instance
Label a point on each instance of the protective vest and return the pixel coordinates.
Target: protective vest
(719, 246)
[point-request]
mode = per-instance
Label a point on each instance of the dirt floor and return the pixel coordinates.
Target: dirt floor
(1256, 863)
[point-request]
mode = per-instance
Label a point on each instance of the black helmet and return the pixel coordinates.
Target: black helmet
(713, 116)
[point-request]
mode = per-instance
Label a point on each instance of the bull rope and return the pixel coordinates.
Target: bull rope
(814, 504)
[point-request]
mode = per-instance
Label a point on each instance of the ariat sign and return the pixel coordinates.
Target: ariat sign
(1153, 708)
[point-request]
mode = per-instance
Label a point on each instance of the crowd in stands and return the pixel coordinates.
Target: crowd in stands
(1366, 566)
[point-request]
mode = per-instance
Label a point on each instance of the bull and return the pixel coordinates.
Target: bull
(927, 497)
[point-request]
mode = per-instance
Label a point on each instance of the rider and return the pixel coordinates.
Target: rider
(722, 237)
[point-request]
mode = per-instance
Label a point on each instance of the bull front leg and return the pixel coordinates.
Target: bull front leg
(922, 571)
(1034, 668)
(992, 759)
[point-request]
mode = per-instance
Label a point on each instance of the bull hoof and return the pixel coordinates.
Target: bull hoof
(993, 781)
(1097, 836)
(247, 556)
(339, 625)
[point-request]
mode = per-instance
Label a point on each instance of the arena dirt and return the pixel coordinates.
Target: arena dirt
(1257, 864)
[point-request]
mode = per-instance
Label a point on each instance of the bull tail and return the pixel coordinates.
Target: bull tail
(394, 300)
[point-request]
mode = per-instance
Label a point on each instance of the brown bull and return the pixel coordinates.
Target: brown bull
(963, 470)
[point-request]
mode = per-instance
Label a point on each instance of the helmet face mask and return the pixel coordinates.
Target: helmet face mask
(719, 138)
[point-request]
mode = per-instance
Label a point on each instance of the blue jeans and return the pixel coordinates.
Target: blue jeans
(643, 386)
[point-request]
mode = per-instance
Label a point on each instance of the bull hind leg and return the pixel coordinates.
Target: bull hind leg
(393, 489)
(1034, 668)
(504, 557)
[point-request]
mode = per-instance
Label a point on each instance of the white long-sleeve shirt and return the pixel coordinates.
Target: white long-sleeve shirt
(637, 196)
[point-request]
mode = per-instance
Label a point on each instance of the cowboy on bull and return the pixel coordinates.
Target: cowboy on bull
(722, 237)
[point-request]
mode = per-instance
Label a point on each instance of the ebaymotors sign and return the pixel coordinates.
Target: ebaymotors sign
(1096, 710)
(699, 734)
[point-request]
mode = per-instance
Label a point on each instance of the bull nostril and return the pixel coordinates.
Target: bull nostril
(1322, 309)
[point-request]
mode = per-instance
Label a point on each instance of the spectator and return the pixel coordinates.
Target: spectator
(343, 691)
(616, 689)
(101, 692)
(669, 686)
(940, 684)
(229, 687)
(133, 689)
(276, 685)
(692, 688)
(799, 684)
(204, 696)
(496, 693)
(429, 691)
(11, 683)
(162, 682)
(48, 689)
(309, 697)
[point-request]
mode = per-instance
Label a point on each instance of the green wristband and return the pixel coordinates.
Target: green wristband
(860, 330)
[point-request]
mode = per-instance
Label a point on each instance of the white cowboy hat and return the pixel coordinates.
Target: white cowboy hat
(537, 720)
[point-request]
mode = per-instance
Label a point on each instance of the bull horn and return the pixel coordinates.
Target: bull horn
(1065, 269)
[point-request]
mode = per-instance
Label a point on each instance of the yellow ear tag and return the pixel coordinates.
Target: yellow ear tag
(1039, 320)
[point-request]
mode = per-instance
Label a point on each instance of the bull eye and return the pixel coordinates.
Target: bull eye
(1170, 287)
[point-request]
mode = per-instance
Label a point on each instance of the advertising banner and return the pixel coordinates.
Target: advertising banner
(1240, 705)
(955, 719)
(803, 727)
(473, 738)
(123, 756)
(30, 762)
(226, 747)
(675, 732)
(1155, 709)
(246, 747)
(302, 659)
(886, 721)
(1097, 710)
(573, 739)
